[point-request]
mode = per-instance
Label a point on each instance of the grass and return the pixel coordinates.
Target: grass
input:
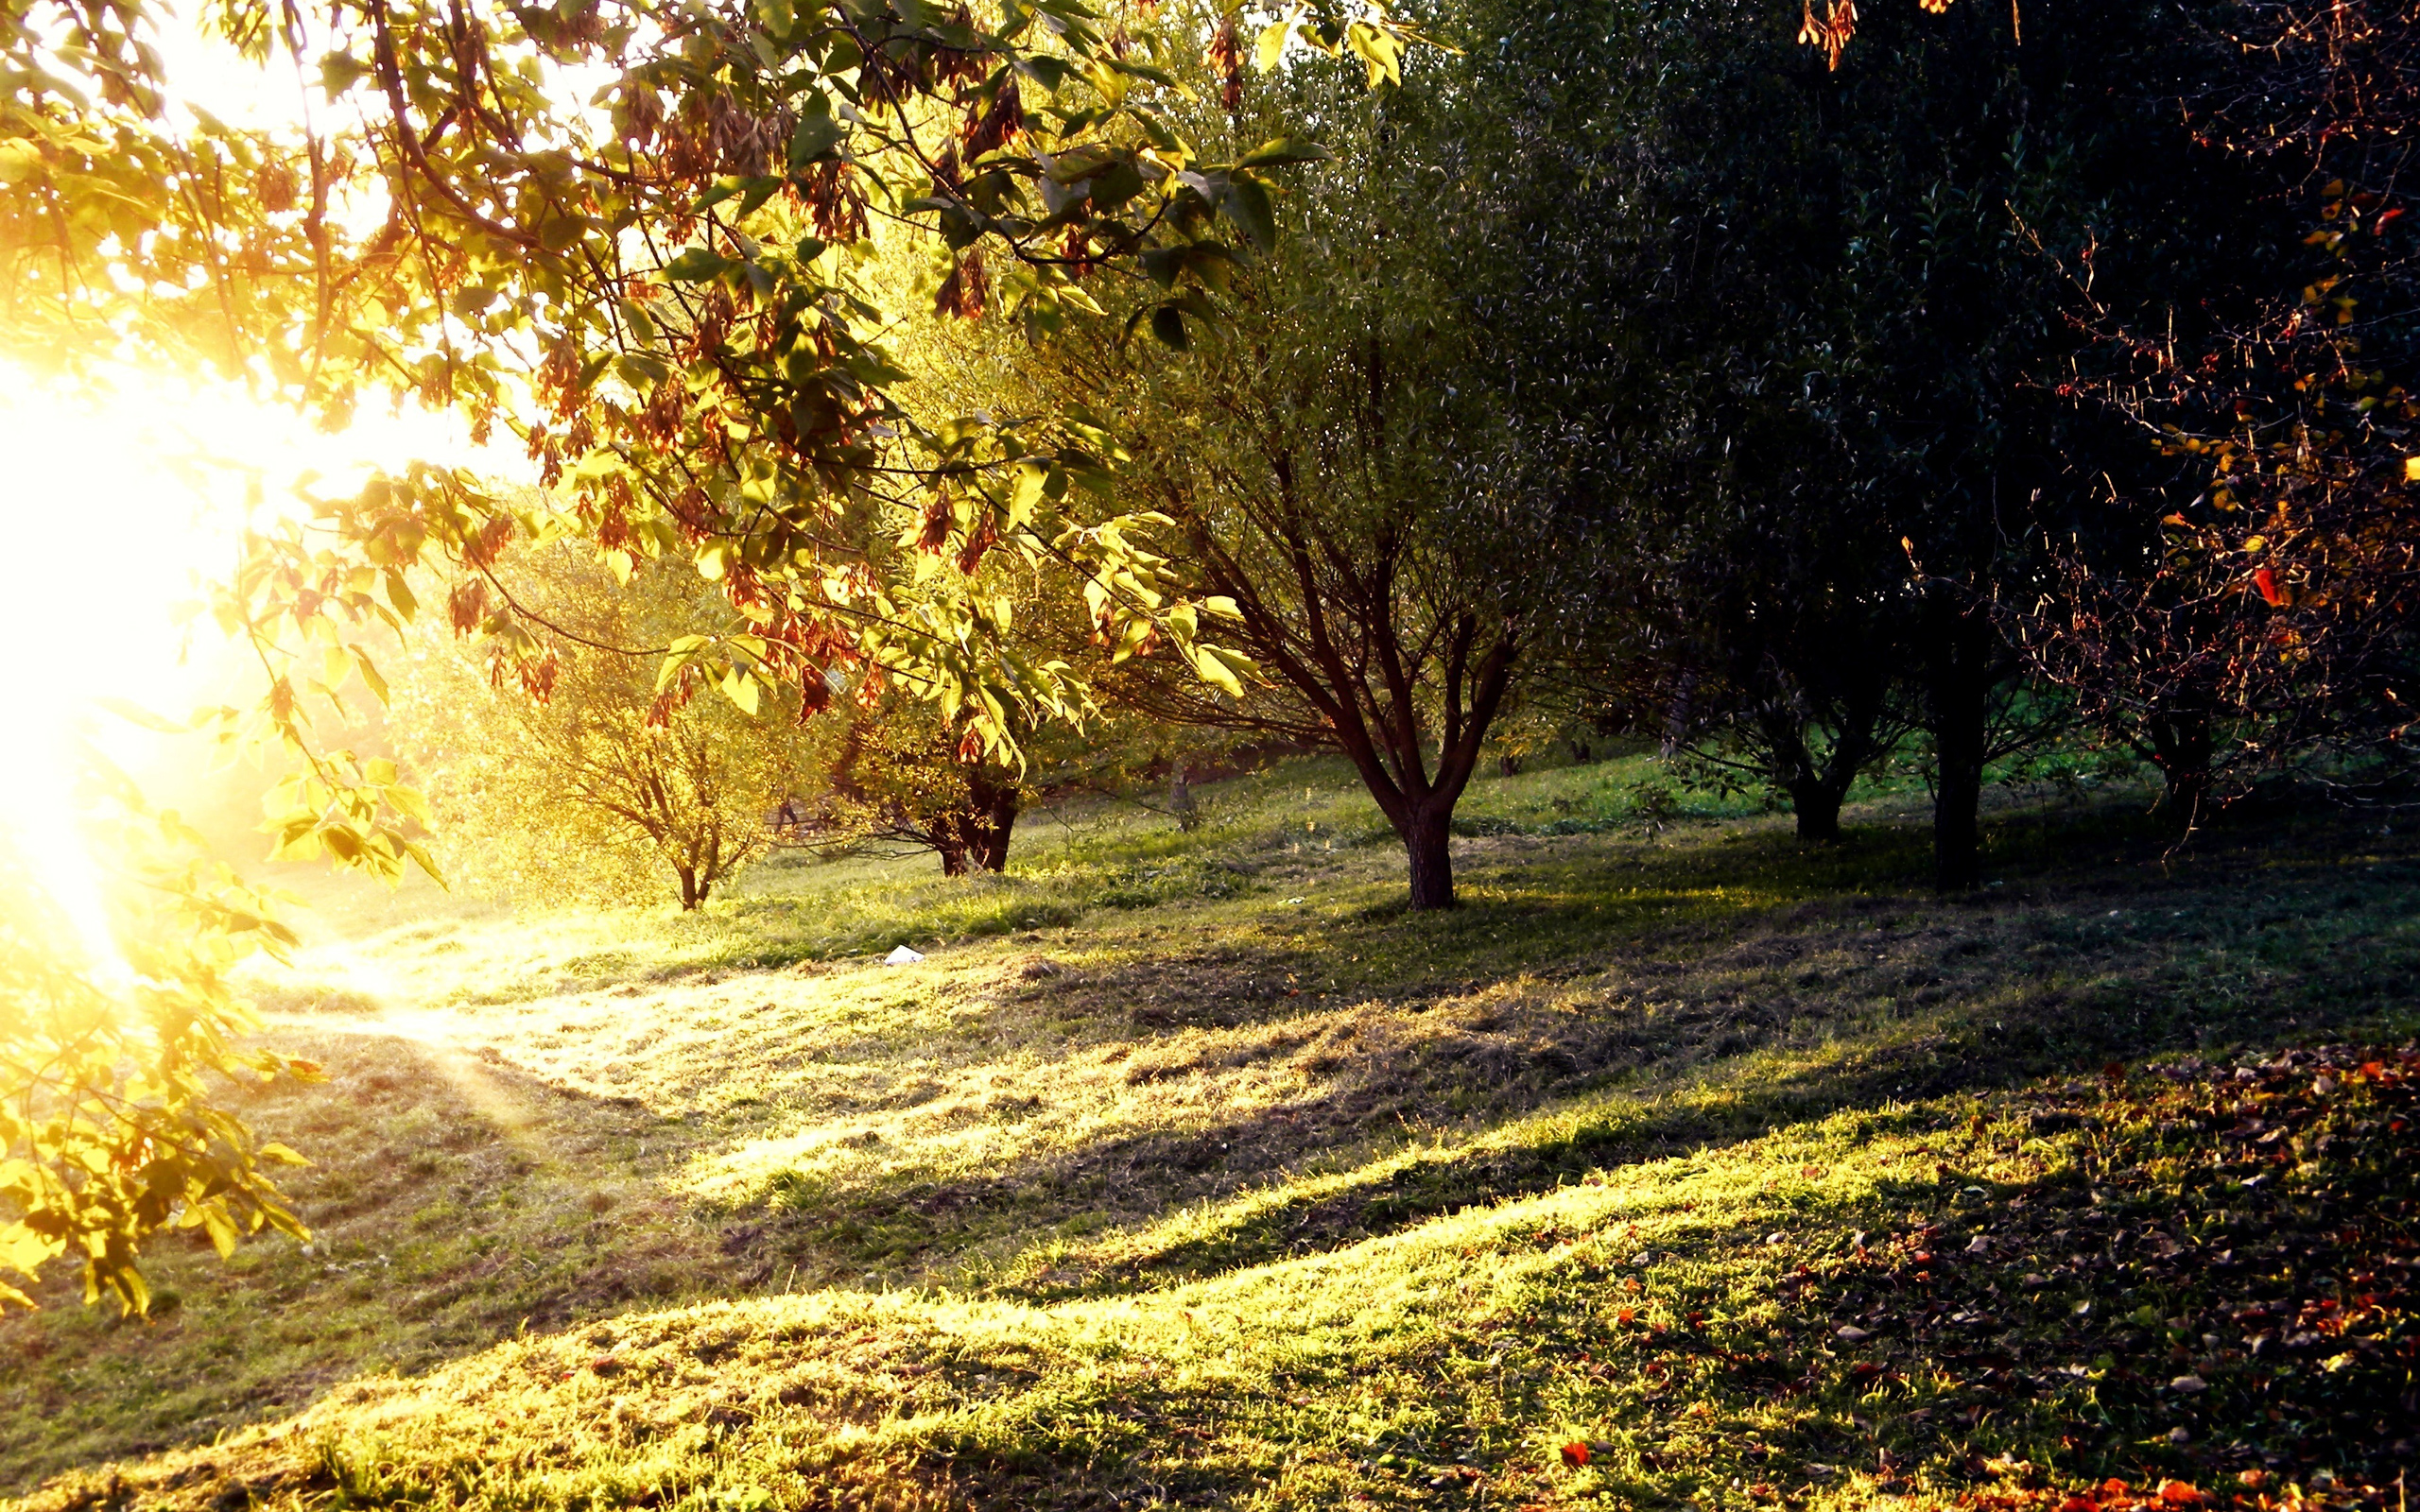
(1189, 1169)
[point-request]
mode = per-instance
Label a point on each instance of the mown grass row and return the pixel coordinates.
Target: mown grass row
(2027, 1292)
(1189, 1092)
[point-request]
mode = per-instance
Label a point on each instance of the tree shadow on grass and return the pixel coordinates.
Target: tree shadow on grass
(1725, 988)
(2121, 1303)
(452, 1203)
(1652, 1043)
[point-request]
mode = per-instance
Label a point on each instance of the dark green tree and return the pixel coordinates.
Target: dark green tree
(1822, 319)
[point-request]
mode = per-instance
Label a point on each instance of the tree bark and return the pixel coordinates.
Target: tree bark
(693, 896)
(997, 820)
(1425, 843)
(1817, 803)
(1959, 715)
(953, 858)
(2182, 748)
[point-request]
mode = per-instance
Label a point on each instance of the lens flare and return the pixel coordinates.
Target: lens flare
(115, 506)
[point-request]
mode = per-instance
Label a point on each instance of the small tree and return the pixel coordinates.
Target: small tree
(898, 772)
(567, 770)
(1337, 480)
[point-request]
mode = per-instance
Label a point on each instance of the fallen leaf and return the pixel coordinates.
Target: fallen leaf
(1850, 1332)
(1575, 1455)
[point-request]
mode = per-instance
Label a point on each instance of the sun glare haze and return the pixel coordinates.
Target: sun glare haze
(120, 506)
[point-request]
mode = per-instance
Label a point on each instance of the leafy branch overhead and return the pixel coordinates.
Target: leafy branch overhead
(656, 248)
(664, 291)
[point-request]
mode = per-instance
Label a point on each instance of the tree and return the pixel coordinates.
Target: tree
(111, 1055)
(580, 776)
(897, 773)
(663, 266)
(1344, 497)
(1826, 327)
(2266, 622)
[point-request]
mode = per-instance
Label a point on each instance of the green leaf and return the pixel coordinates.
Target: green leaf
(816, 139)
(1044, 70)
(1024, 494)
(220, 1227)
(1167, 324)
(1278, 151)
(1246, 203)
(339, 72)
(696, 266)
(1222, 669)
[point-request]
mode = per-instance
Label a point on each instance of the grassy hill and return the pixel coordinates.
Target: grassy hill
(1681, 1165)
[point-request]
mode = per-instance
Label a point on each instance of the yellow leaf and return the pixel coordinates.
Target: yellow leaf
(1212, 663)
(22, 1250)
(1271, 45)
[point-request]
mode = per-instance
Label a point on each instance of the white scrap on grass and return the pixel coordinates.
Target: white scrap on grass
(903, 957)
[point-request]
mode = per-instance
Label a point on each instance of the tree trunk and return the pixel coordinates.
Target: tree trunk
(1425, 843)
(692, 896)
(1959, 699)
(999, 819)
(1817, 803)
(953, 858)
(2182, 747)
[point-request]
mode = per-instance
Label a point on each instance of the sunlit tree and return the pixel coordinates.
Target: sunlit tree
(651, 286)
(1341, 485)
(572, 773)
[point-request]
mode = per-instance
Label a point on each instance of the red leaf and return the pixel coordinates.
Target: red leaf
(2266, 580)
(1575, 1455)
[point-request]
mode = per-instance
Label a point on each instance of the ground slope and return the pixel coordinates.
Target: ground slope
(2009, 1294)
(1190, 1168)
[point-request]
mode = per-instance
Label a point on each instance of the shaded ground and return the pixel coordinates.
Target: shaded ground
(1270, 1067)
(2001, 1301)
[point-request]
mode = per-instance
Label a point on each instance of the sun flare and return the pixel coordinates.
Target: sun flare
(120, 505)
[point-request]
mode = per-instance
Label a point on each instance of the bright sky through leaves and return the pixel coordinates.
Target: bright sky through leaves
(117, 503)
